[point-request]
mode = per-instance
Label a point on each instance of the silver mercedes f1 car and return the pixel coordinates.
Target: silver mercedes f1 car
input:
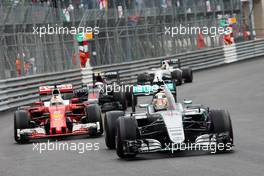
(179, 126)
(167, 72)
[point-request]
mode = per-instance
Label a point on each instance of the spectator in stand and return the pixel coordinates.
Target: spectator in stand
(18, 66)
(102, 4)
(246, 33)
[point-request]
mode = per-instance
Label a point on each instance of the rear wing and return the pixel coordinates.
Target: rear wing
(64, 88)
(101, 77)
(111, 75)
(173, 62)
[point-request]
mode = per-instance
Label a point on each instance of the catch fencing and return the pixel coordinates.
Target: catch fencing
(23, 91)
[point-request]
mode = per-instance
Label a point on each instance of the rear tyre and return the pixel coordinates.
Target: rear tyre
(177, 75)
(126, 129)
(222, 127)
(142, 78)
(121, 98)
(21, 121)
(93, 115)
(129, 91)
(187, 75)
(110, 125)
(129, 97)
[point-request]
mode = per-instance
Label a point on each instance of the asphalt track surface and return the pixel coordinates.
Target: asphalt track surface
(237, 87)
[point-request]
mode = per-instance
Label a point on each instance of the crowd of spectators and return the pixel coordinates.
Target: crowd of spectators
(91, 4)
(207, 5)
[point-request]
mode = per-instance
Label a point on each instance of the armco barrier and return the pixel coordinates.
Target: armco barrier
(23, 91)
(250, 49)
(197, 60)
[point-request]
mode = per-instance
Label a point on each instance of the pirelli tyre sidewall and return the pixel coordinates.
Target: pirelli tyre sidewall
(126, 129)
(21, 121)
(110, 125)
(129, 96)
(121, 98)
(93, 115)
(187, 75)
(177, 75)
(221, 124)
(142, 78)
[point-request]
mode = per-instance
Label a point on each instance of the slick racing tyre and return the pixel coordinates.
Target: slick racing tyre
(126, 129)
(177, 75)
(222, 127)
(187, 75)
(142, 78)
(21, 121)
(110, 125)
(121, 98)
(129, 94)
(93, 115)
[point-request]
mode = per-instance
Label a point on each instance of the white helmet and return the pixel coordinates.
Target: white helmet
(56, 98)
(164, 65)
(160, 101)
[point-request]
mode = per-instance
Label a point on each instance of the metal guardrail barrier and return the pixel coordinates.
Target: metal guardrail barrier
(247, 50)
(197, 60)
(23, 91)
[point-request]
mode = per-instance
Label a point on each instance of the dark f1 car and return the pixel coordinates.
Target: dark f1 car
(195, 126)
(108, 92)
(57, 116)
(167, 72)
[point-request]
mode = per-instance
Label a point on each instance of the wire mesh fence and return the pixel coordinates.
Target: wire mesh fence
(129, 30)
(25, 54)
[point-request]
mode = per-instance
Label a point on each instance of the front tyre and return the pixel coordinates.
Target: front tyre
(126, 129)
(222, 127)
(110, 125)
(93, 115)
(21, 121)
(187, 75)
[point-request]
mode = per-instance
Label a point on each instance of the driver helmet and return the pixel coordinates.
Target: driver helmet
(56, 98)
(164, 65)
(160, 101)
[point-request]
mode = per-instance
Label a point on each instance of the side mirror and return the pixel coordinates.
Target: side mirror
(143, 105)
(38, 103)
(187, 102)
(75, 100)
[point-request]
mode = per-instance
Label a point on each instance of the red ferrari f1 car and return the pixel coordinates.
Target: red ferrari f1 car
(56, 117)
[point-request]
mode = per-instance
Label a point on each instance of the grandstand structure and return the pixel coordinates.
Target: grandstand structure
(129, 30)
